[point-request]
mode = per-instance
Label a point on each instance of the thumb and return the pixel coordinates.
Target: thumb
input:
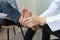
(24, 10)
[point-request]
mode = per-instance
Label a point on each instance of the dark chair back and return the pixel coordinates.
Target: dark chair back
(7, 22)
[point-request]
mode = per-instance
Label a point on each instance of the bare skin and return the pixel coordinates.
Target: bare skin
(32, 21)
(26, 14)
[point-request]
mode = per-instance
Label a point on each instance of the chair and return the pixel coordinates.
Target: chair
(10, 24)
(0, 25)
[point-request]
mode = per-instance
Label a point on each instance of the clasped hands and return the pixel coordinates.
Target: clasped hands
(30, 20)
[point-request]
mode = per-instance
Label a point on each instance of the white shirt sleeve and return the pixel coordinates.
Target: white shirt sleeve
(52, 9)
(1, 15)
(53, 20)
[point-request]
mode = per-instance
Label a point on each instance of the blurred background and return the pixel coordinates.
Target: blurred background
(36, 6)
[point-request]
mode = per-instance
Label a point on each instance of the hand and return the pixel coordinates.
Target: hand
(26, 14)
(32, 21)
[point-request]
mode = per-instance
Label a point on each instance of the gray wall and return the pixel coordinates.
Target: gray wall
(36, 6)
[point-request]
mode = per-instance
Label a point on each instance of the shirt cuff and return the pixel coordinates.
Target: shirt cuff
(1, 15)
(53, 22)
(53, 18)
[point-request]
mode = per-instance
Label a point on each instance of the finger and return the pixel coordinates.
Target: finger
(22, 14)
(32, 24)
(29, 24)
(28, 14)
(24, 10)
(29, 21)
(25, 25)
(21, 19)
(25, 20)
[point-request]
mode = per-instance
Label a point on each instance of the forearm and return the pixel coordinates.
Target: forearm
(42, 20)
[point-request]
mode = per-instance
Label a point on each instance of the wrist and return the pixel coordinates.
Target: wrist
(19, 19)
(43, 20)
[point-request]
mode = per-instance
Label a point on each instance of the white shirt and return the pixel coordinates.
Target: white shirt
(1, 15)
(52, 16)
